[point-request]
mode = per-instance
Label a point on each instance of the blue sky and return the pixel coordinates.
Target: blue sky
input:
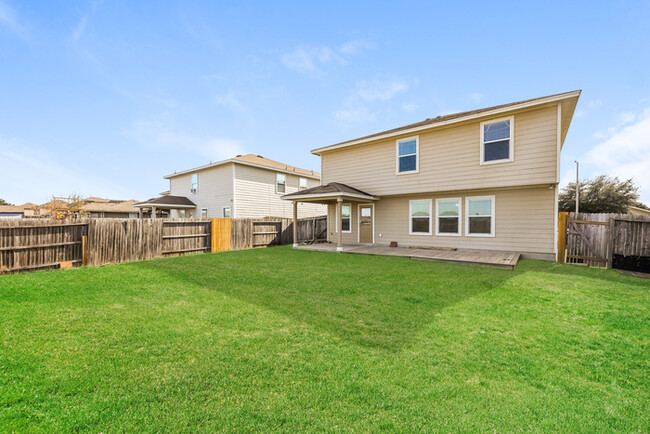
(104, 98)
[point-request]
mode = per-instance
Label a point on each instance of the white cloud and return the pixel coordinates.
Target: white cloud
(160, 133)
(356, 46)
(79, 29)
(380, 90)
(312, 59)
(229, 99)
(369, 93)
(354, 115)
(476, 97)
(626, 153)
(9, 19)
(410, 107)
(32, 174)
(309, 60)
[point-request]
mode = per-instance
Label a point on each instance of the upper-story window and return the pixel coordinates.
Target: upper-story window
(303, 184)
(280, 183)
(497, 142)
(195, 182)
(407, 155)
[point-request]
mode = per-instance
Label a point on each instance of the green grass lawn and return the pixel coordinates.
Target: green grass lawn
(283, 340)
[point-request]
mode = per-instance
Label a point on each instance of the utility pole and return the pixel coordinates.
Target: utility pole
(577, 185)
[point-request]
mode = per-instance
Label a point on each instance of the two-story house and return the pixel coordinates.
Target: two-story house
(482, 179)
(244, 186)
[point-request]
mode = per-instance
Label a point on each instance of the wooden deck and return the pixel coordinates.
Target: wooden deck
(486, 258)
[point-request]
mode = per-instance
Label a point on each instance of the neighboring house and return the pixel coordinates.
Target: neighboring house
(96, 207)
(482, 179)
(11, 212)
(27, 210)
(635, 210)
(244, 186)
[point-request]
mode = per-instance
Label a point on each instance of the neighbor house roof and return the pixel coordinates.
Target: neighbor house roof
(255, 161)
(569, 100)
(12, 209)
(108, 205)
(167, 201)
(333, 189)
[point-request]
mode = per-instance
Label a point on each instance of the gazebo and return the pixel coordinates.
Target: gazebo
(332, 193)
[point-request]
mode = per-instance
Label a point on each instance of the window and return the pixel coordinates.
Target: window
(195, 182)
(181, 213)
(420, 217)
(497, 140)
(346, 218)
(480, 216)
(448, 216)
(303, 184)
(226, 212)
(204, 213)
(407, 155)
(280, 183)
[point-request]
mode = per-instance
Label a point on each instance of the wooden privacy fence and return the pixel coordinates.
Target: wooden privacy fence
(31, 245)
(42, 244)
(605, 240)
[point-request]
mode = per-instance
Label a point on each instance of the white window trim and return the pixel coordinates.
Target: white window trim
(336, 220)
(206, 212)
(223, 209)
(492, 219)
(411, 216)
(417, 155)
(460, 214)
(276, 183)
(192, 189)
(300, 182)
(359, 221)
(511, 151)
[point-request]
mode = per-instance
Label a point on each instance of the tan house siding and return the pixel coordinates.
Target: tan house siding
(214, 190)
(255, 194)
(524, 222)
(353, 236)
(449, 159)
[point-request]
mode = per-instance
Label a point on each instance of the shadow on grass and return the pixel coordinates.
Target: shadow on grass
(372, 301)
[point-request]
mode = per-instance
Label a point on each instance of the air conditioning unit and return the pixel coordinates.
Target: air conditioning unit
(193, 190)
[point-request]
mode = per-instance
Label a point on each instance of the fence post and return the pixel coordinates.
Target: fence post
(84, 250)
(213, 236)
(561, 236)
(610, 243)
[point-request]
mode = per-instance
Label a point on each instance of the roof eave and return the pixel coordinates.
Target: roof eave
(526, 104)
(322, 196)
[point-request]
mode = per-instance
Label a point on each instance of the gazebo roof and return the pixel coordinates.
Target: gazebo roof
(333, 190)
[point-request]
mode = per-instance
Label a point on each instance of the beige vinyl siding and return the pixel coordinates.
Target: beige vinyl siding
(214, 189)
(524, 221)
(450, 159)
(255, 194)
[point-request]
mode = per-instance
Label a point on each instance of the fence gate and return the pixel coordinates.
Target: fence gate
(221, 234)
(587, 241)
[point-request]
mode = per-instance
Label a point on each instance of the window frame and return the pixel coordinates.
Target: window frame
(223, 212)
(277, 175)
(302, 187)
(511, 148)
(336, 220)
(411, 216)
(194, 185)
(206, 213)
(417, 155)
(459, 200)
(492, 217)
